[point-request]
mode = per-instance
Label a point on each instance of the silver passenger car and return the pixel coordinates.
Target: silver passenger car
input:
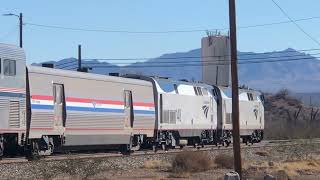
(12, 98)
(71, 110)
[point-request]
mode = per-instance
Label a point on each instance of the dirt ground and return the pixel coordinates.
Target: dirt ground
(301, 161)
(304, 170)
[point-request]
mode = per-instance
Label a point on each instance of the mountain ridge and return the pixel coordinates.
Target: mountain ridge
(292, 69)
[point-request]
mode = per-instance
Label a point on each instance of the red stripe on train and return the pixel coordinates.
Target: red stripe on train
(85, 100)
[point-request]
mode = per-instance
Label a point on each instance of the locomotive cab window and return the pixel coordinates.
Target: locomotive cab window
(9, 67)
(195, 91)
(250, 96)
(199, 91)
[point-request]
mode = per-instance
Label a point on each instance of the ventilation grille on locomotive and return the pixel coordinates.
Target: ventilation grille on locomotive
(169, 116)
(14, 114)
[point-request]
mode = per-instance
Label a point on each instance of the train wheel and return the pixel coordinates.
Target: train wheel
(125, 149)
(164, 147)
(227, 143)
(35, 149)
(154, 148)
(34, 152)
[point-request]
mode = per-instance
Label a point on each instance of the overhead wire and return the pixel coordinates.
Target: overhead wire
(295, 23)
(164, 32)
(191, 57)
(85, 62)
(209, 63)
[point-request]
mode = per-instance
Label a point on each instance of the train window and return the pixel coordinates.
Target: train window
(250, 96)
(9, 67)
(195, 90)
(176, 88)
(127, 99)
(214, 92)
(58, 93)
(199, 91)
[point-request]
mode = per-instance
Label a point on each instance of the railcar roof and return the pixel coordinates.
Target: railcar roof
(12, 52)
(172, 81)
(83, 75)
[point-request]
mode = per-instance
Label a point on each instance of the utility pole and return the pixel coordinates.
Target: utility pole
(20, 25)
(20, 28)
(79, 58)
(235, 93)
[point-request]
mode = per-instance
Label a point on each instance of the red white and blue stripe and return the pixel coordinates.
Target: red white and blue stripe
(91, 105)
(12, 92)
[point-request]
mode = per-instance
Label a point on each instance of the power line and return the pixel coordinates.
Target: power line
(179, 62)
(193, 57)
(163, 32)
(241, 59)
(62, 65)
(294, 22)
(210, 63)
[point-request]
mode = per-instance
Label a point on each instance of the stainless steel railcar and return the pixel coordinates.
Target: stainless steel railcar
(44, 110)
(73, 109)
(12, 98)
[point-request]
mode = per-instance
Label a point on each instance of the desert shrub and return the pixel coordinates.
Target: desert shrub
(262, 153)
(282, 94)
(155, 164)
(80, 168)
(188, 161)
(224, 161)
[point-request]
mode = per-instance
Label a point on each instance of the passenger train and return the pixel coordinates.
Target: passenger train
(45, 110)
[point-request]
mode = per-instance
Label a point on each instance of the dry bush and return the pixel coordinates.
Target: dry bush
(224, 161)
(80, 168)
(155, 164)
(262, 153)
(188, 161)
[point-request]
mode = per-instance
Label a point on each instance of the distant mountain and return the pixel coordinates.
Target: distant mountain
(302, 74)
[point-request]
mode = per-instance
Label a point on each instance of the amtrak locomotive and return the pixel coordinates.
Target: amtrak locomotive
(45, 110)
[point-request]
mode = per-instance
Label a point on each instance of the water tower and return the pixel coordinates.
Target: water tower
(215, 52)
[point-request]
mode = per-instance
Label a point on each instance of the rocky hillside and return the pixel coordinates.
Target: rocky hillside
(287, 117)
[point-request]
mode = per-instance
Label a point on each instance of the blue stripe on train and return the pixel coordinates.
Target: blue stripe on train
(74, 108)
(9, 94)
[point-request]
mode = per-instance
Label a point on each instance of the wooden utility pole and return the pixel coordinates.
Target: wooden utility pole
(235, 93)
(79, 58)
(20, 25)
(20, 29)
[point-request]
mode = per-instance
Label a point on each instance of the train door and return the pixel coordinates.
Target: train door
(59, 105)
(128, 109)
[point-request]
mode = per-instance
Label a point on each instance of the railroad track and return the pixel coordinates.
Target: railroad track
(79, 155)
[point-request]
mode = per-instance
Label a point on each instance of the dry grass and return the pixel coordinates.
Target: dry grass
(282, 170)
(155, 164)
(224, 161)
(188, 161)
(299, 167)
(262, 153)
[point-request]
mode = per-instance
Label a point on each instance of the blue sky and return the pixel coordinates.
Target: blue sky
(43, 44)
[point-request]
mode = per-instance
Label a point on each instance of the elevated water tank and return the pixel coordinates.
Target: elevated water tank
(216, 68)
